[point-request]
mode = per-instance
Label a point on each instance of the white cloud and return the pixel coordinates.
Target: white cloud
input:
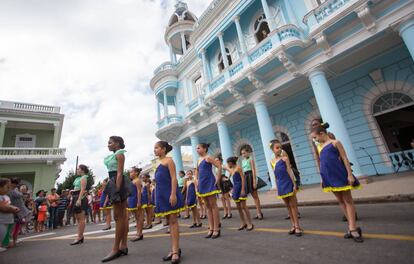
(93, 58)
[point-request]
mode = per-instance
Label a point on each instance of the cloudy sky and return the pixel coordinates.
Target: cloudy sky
(94, 58)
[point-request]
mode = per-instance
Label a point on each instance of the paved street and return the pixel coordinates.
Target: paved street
(388, 230)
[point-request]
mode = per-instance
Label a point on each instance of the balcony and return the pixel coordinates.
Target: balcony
(169, 120)
(30, 155)
(403, 160)
(164, 67)
(29, 107)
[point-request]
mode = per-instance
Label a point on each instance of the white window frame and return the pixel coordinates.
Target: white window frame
(20, 144)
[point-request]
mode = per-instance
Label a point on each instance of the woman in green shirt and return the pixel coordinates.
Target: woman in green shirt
(249, 170)
(80, 201)
(118, 191)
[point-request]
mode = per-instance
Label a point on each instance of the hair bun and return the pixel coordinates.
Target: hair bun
(169, 148)
(325, 125)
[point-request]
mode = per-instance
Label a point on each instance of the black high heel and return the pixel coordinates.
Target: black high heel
(260, 217)
(169, 256)
(359, 238)
(77, 242)
(209, 234)
(193, 225)
(175, 261)
(250, 228)
(224, 217)
(242, 227)
(107, 228)
(124, 251)
(199, 225)
(112, 256)
(138, 238)
(216, 235)
(230, 216)
(292, 231)
(298, 231)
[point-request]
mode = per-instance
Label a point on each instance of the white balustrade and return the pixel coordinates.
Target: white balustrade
(29, 107)
(16, 154)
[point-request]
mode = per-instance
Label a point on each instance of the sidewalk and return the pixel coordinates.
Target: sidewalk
(386, 188)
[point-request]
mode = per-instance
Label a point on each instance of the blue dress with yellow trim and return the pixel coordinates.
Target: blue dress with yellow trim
(206, 180)
(283, 181)
(163, 193)
(191, 200)
(102, 204)
(145, 203)
(153, 198)
(132, 198)
(237, 187)
(333, 171)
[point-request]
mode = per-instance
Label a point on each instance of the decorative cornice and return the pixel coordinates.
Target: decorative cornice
(364, 13)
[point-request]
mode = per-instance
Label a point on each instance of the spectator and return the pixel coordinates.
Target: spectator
(53, 199)
(62, 206)
(6, 214)
(96, 210)
(16, 198)
(42, 211)
(40, 196)
(69, 211)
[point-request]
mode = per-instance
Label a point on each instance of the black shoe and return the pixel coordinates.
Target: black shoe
(124, 251)
(176, 261)
(193, 225)
(186, 217)
(209, 234)
(77, 242)
(260, 217)
(344, 219)
(358, 238)
(147, 227)
(242, 227)
(199, 225)
(219, 224)
(298, 232)
(169, 256)
(347, 235)
(112, 256)
(250, 228)
(287, 217)
(229, 216)
(107, 228)
(224, 217)
(292, 231)
(216, 235)
(138, 238)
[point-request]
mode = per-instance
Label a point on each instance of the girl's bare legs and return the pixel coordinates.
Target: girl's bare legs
(227, 196)
(350, 209)
(245, 210)
(81, 224)
(215, 212)
(108, 217)
(255, 196)
(294, 210)
(139, 217)
(119, 216)
(224, 203)
(341, 202)
(209, 215)
(241, 214)
(196, 216)
(175, 235)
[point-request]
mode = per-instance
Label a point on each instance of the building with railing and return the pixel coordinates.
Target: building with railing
(249, 71)
(29, 143)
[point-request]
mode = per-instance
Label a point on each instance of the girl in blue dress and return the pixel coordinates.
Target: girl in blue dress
(169, 200)
(105, 206)
(337, 177)
(189, 190)
(286, 185)
(239, 193)
(208, 188)
(146, 200)
(134, 202)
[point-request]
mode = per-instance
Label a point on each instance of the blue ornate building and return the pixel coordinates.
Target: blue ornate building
(286, 63)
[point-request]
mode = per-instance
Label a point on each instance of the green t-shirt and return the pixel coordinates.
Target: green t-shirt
(77, 182)
(180, 181)
(111, 162)
(246, 165)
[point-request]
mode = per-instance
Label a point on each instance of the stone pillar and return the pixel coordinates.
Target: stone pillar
(3, 124)
(205, 66)
(56, 133)
(225, 141)
(330, 113)
(268, 14)
(183, 44)
(158, 109)
(406, 31)
(266, 135)
(194, 142)
(240, 35)
(173, 57)
(223, 50)
(291, 13)
(178, 160)
(165, 103)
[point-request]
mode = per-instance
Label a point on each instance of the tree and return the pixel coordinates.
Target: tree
(70, 178)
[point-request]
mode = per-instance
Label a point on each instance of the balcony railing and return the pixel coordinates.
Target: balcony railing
(194, 104)
(164, 67)
(29, 107)
(325, 10)
(260, 50)
(170, 119)
(219, 80)
(27, 154)
(236, 68)
(289, 31)
(403, 160)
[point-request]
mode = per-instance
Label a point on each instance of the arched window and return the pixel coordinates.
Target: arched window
(261, 28)
(390, 101)
(221, 62)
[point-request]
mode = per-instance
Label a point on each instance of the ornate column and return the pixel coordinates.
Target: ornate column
(223, 50)
(56, 132)
(3, 124)
(165, 103)
(205, 66)
(194, 142)
(330, 113)
(266, 135)
(178, 160)
(240, 34)
(158, 109)
(268, 15)
(183, 44)
(406, 30)
(173, 57)
(225, 141)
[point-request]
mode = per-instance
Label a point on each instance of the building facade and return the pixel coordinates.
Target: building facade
(286, 63)
(29, 143)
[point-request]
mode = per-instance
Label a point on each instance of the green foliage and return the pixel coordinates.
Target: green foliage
(70, 178)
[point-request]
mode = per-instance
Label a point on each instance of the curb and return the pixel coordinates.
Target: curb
(397, 198)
